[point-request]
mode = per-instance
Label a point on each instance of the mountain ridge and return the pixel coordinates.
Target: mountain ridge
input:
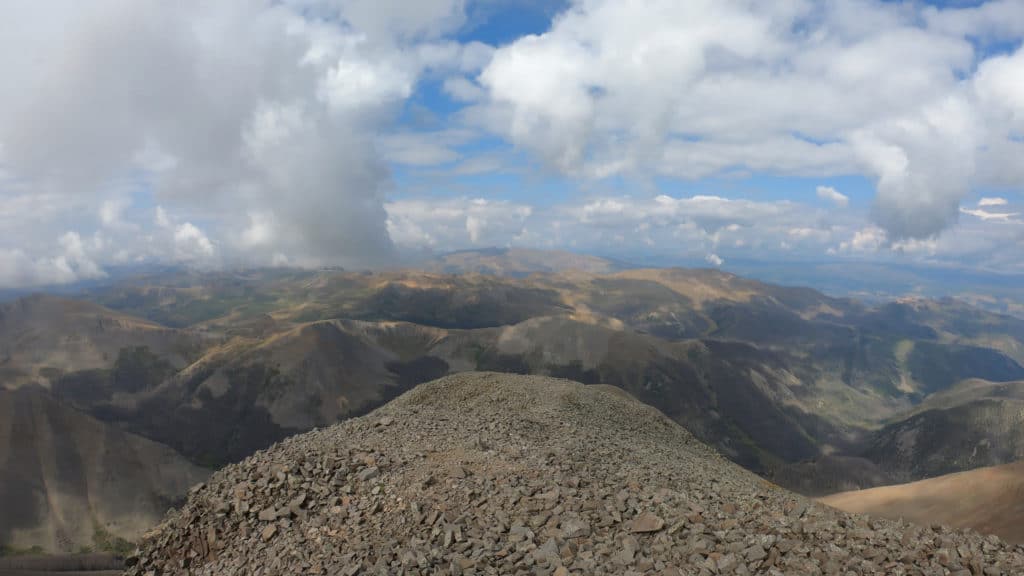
(786, 381)
(497, 473)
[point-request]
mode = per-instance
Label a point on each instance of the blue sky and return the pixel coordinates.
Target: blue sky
(527, 179)
(366, 133)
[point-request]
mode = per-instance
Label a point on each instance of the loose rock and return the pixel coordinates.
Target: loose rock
(647, 522)
(494, 474)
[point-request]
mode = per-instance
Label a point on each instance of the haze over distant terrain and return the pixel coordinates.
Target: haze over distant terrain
(359, 133)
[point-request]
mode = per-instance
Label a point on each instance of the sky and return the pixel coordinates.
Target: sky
(365, 133)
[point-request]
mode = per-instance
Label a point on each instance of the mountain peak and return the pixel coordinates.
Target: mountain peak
(492, 473)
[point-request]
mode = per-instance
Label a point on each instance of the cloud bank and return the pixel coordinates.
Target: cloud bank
(252, 122)
(255, 132)
(692, 89)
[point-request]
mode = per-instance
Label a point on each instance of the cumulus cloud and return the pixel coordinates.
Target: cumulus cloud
(834, 196)
(75, 257)
(73, 261)
(191, 244)
(226, 110)
(258, 132)
(714, 260)
(628, 87)
(866, 240)
(997, 85)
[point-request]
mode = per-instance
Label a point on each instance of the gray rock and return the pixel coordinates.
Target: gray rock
(368, 473)
(268, 532)
(575, 528)
(548, 496)
(647, 522)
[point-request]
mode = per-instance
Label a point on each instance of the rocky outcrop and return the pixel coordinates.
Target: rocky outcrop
(482, 473)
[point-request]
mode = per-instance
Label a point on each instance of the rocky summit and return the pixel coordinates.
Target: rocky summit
(483, 473)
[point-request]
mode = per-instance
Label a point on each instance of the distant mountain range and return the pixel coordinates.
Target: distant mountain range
(814, 392)
(871, 281)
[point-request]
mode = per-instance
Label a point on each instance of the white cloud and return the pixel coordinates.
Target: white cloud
(393, 18)
(352, 84)
(160, 218)
(76, 258)
(832, 195)
(714, 260)
(866, 240)
(423, 148)
(261, 231)
(999, 19)
(999, 88)
(191, 244)
(112, 213)
(630, 87)
(688, 229)
(691, 227)
(992, 202)
(927, 246)
(73, 261)
(220, 110)
(802, 233)
(710, 213)
(448, 224)
(273, 125)
(21, 270)
(993, 216)
(462, 89)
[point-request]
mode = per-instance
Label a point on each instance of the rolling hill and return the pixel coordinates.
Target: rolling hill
(990, 500)
(770, 375)
(43, 337)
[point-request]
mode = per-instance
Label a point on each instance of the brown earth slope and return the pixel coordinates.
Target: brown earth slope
(43, 337)
(485, 473)
(989, 500)
(69, 481)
